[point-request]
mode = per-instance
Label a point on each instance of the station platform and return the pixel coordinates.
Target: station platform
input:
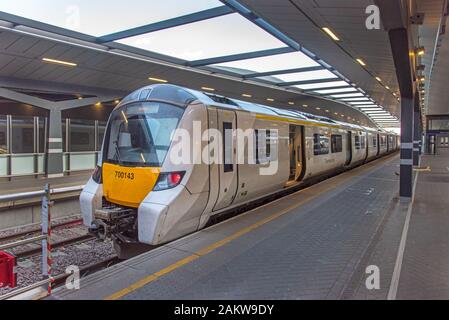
(30, 183)
(313, 244)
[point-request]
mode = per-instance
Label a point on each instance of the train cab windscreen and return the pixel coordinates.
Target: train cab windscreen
(140, 134)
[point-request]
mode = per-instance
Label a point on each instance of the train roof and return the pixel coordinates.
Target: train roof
(184, 96)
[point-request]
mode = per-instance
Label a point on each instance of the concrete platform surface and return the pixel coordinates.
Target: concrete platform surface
(314, 244)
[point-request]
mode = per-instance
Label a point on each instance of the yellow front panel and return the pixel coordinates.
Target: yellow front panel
(128, 186)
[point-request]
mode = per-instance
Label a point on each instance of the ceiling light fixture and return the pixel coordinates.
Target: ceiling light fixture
(158, 80)
(331, 34)
(64, 63)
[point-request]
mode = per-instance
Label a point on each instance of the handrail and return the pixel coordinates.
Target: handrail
(40, 193)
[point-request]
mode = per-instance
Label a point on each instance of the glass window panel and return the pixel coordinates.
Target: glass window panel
(22, 135)
(231, 34)
(41, 135)
(336, 90)
(439, 124)
(101, 17)
(3, 141)
(283, 61)
(82, 135)
(64, 133)
(321, 85)
(304, 76)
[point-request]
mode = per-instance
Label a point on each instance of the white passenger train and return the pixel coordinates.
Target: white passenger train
(137, 194)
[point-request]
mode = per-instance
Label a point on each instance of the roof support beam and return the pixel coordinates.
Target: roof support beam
(239, 56)
(287, 71)
(285, 84)
(170, 23)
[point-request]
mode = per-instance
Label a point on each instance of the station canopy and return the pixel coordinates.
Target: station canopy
(219, 36)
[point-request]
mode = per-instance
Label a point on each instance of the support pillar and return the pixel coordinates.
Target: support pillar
(406, 175)
(416, 138)
(55, 168)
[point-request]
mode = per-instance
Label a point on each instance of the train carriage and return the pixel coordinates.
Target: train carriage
(141, 193)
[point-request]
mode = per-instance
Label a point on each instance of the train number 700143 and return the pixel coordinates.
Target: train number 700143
(124, 175)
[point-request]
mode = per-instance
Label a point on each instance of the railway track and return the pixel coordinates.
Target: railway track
(35, 251)
(31, 232)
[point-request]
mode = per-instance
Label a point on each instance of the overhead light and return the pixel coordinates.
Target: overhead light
(361, 62)
(327, 111)
(291, 103)
(80, 98)
(420, 51)
(98, 104)
(387, 87)
(246, 95)
(157, 80)
(270, 99)
(64, 63)
(422, 79)
(305, 105)
(331, 34)
(117, 101)
(378, 79)
(336, 113)
(318, 108)
(207, 89)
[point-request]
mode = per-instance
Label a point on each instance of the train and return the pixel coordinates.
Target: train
(141, 194)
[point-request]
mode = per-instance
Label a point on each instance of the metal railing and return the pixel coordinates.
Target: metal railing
(39, 193)
(45, 237)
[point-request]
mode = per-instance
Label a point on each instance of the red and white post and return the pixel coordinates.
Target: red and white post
(47, 260)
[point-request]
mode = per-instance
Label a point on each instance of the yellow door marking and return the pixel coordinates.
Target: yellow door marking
(139, 284)
(421, 169)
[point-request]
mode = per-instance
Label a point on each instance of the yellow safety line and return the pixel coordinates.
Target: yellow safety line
(216, 245)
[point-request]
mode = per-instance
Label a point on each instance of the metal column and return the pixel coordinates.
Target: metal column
(55, 166)
(407, 115)
(416, 137)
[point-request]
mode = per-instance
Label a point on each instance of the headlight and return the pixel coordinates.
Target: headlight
(168, 180)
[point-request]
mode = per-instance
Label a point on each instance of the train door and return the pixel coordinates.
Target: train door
(349, 149)
(228, 174)
(442, 144)
(378, 144)
(296, 152)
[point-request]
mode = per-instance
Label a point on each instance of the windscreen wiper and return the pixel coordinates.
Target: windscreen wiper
(117, 152)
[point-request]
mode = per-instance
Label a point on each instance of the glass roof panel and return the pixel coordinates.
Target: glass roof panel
(193, 41)
(102, 17)
(283, 61)
(348, 95)
(321, 85)
(356, 99)
(304, 76)
(336, 90)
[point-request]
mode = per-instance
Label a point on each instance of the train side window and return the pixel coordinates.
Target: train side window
(362, 142)
(228, 165)
(357, 142)
(268, 145)
(336, 143)
(262, 148)
(374, 141)
(320, 144)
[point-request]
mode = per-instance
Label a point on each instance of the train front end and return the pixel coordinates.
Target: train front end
(136, 143)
